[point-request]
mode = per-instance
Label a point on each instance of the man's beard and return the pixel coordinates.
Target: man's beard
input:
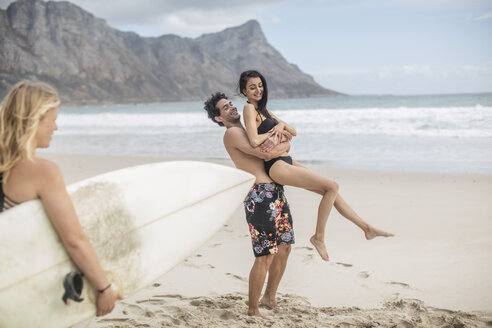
(234, 120)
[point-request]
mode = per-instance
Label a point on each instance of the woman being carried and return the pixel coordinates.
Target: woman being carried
(265, 129)
(27, 121)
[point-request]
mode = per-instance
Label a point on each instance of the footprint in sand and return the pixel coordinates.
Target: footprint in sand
(236, 276)
(405, 324)
(196, 302)
(214, 245)
(308, 258)
(179, 297)
(305, 247)
(398, 284)
(228, 315)
(199, 266)
(132, 308)
(363, 274)
(149, 300)
(347, 265)
(114, 320)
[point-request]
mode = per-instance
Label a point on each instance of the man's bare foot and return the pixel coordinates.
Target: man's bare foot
(256, 313)
(372, 232)
(320, 247)
(271, 304)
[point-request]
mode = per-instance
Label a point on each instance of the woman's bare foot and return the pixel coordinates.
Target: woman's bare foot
(256, 313)
(320, 247)
(271, 304)
(372, 232)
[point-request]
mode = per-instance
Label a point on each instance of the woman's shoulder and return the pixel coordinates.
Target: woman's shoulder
(38, 168)
(30, 177)
(249, 107)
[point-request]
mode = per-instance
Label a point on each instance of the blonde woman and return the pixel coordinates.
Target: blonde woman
(262, 126)
(27, 122)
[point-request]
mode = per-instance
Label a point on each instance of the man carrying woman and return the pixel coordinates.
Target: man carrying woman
(267, 211)
(261, 127)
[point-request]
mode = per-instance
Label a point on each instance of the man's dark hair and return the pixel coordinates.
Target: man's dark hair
(211, 106)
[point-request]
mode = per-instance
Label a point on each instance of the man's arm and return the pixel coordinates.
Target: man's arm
(237, 138)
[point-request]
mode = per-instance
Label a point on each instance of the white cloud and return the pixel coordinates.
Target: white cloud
(417, 69)
(408, 79)
(485, 16)
(274, 19)
(191, 22)
(383, 72)
(185, 18)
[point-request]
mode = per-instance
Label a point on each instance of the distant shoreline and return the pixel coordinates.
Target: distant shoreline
(235, 96)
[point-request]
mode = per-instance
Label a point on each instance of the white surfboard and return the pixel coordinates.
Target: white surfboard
(142, 221)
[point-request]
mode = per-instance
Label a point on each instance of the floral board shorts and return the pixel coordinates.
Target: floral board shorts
(269, 219)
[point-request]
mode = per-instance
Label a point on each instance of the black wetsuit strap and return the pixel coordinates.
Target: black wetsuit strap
(5, 201)
(2, 196)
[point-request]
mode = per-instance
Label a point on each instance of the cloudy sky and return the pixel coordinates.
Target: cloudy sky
(352, 46)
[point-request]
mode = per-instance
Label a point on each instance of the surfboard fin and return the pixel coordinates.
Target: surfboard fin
(73, 284)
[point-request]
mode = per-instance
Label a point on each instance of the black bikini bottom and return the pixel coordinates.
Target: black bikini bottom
(269, 164)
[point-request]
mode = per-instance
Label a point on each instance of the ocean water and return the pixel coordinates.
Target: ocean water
(443, 133)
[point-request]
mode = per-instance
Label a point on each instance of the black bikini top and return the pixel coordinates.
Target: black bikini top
(266, 124)
(5, 201)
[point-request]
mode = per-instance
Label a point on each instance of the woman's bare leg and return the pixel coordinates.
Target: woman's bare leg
(347, 212)
(302, 177)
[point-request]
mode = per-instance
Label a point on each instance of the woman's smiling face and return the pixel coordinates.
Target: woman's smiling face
(254, 89)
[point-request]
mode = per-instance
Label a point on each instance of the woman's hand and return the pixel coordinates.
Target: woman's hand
(268, 144)
(286, 136)
(277, 130)
(106, 301)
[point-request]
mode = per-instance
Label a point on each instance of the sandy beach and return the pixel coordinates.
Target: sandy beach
(434, 273)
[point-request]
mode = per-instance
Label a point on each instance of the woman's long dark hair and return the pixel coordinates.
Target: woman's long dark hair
(243, 80)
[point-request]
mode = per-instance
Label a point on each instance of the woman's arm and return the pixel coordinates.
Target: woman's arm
(283, 126)
(58, 205)
(255, 139)
(235, 138)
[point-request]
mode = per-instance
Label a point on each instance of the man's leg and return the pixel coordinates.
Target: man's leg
(256, 281)
(277, 269)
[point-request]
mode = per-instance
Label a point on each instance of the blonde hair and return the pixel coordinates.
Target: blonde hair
(22, 110)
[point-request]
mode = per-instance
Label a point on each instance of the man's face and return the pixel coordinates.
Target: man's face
(228, 112)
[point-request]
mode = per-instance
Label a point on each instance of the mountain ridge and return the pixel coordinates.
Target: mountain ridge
(90, 62)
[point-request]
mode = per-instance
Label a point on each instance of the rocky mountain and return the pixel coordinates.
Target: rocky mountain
(90, 62)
